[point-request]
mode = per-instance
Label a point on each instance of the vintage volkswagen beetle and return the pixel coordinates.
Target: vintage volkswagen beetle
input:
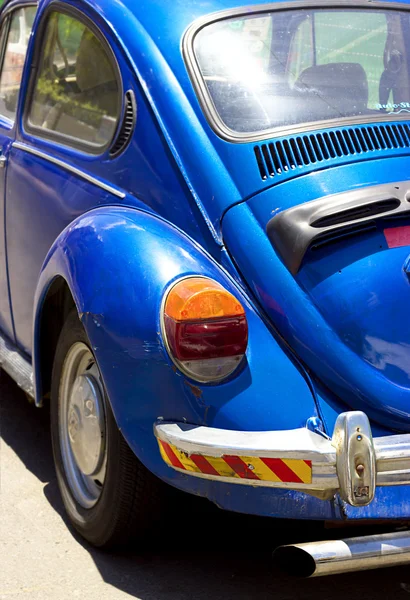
(204, 255)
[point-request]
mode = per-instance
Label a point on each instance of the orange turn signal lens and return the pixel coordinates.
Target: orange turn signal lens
(197, 298)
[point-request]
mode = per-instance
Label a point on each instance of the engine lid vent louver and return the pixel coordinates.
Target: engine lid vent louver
(127, 126)
(347, 232)
(360, 212)
(352, 143)
(329, 219)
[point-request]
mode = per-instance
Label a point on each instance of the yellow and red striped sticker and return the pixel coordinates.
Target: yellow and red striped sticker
(285, 470)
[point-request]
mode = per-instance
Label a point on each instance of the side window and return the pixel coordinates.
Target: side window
(17, 31)
(76, 92)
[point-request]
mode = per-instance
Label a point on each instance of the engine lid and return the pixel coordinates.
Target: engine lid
(334, 276)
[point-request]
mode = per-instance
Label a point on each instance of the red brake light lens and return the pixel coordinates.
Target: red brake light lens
(205, 329)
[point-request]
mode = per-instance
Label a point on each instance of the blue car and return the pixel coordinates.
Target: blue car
(205, 256)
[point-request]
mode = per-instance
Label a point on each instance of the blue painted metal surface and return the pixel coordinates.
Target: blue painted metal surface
(196, 204)
(135, 256)
(6, 323)
(338, 314)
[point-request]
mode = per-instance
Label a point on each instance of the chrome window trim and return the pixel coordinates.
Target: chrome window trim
(204, 96)
(70, 168)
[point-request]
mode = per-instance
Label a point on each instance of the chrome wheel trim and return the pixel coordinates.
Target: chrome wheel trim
(82, 425)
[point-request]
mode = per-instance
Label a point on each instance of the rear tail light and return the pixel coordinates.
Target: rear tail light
(204, 328)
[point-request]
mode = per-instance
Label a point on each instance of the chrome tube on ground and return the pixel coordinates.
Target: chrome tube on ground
(341, 556)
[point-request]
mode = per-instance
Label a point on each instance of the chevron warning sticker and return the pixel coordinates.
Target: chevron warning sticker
(260, 468)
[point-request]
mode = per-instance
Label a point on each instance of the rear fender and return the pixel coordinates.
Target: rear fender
(117, 263)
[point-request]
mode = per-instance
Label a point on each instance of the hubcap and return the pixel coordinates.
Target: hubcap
(82, 425)
(86, 424)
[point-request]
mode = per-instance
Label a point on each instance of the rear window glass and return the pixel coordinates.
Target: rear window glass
(279, 69)
(76, 92)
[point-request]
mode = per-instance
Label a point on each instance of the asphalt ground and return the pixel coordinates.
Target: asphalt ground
(200, 553)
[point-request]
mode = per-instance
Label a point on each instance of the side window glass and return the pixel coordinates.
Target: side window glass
(21, 23)
(76, 92)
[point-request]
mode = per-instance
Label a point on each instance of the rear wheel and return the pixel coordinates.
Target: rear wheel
(109, 496)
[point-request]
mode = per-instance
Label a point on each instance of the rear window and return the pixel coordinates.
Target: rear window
(287, 68)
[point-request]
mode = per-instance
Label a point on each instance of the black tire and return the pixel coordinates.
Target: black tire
(130, 500)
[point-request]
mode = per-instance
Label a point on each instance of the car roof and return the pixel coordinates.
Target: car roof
(159, 14)
(156, 13)
(166, 21)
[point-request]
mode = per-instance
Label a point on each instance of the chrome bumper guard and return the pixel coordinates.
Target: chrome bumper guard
(351, 463)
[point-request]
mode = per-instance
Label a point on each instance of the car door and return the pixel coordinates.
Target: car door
(72, 109)
(15, 30)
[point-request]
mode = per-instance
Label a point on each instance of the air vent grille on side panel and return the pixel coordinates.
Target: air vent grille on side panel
(127, 126)
(281, 157)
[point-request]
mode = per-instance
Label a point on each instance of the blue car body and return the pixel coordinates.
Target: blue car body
(179, 201)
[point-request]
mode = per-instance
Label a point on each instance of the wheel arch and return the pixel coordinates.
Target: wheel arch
(56, 302)
(81, 271)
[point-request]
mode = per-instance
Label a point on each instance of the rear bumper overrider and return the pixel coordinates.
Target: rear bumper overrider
(350, 463)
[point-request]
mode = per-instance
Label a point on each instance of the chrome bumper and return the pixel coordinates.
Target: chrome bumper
(351, 463)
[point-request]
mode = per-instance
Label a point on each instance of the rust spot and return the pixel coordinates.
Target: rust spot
(197, 392)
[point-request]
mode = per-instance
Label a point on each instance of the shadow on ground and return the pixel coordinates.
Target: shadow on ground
(202, 552)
